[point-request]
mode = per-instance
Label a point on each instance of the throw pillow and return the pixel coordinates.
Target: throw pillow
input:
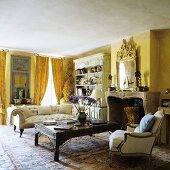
(146, 123)
(44, 110)
(65, 108)
(55, 109)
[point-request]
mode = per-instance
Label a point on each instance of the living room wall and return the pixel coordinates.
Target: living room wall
(163, 76)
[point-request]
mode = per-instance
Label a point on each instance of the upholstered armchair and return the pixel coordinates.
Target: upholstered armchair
(133, 142)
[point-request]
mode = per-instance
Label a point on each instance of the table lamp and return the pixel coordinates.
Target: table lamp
(97, 95)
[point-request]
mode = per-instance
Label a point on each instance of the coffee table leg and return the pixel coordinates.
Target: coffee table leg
(36, 139)
(56, 152)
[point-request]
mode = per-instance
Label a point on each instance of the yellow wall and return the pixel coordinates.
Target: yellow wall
(163, 77)
(8, 73)
(155, 61)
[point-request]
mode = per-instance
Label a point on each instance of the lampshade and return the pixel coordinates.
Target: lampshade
(96, 94)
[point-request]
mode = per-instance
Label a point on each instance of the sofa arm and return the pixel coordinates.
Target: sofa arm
(14, 111)
(139, 143)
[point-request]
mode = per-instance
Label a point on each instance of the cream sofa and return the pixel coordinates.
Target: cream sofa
(23, 117)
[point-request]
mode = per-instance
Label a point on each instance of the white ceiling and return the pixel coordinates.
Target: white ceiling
(71, 27)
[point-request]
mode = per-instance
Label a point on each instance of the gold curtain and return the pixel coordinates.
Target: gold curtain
(41, 78)
(57, 69)
(68, 84)
(2, 86)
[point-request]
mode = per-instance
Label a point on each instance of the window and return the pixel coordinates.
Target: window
(49, 97)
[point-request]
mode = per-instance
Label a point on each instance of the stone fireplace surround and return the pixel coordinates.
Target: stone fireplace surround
(130, 107)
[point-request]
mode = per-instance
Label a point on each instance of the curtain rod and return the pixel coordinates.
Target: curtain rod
(6, 50)
(35, 54)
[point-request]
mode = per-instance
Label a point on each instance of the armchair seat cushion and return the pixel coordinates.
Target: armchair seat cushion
(116, 138)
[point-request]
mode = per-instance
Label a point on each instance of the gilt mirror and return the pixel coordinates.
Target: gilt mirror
(126, 67)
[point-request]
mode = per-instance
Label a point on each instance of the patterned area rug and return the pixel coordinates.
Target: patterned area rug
(87, 153)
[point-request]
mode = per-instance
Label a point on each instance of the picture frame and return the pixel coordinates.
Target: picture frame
(165, 103)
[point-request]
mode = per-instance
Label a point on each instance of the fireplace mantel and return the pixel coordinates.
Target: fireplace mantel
(150, 99)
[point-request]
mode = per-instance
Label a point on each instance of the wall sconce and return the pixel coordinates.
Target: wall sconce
(167, 91)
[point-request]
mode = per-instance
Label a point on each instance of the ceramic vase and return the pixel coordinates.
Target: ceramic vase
(81, 117)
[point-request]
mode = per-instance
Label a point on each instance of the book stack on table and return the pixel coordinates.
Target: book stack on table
(49, 122)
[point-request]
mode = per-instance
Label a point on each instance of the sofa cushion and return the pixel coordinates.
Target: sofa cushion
(33, 109)
(65, 108)
(44, 110)
(146, 123)
(41, 118)
(55, 109)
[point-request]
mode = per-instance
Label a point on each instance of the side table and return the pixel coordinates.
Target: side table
(166, 112)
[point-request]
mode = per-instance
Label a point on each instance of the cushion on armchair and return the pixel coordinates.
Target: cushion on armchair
(146, 123)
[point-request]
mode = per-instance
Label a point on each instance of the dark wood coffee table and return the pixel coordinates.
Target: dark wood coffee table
(61, 136)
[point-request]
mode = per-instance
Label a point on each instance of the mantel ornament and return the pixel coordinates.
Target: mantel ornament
(127, 52)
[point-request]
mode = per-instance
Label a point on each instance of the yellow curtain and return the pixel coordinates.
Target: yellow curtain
(41, 78)
(2, 86)
(57, 69)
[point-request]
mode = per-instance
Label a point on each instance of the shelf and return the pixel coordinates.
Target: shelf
(91, 73)
(87, 74)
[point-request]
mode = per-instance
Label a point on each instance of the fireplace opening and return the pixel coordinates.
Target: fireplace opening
(125, 111)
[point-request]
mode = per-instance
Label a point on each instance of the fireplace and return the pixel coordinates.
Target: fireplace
(129, 110)
(130, 107)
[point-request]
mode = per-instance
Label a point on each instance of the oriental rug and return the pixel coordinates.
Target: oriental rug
(86, 153)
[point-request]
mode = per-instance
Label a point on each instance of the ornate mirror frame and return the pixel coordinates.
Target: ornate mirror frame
(126, 67)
